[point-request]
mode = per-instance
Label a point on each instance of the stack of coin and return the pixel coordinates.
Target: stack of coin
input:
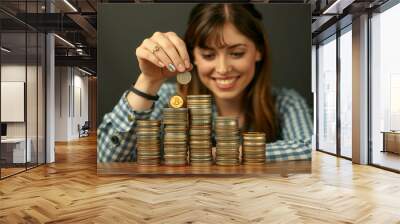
(228, 141)
(148, 142)
(200, 129)
(254, 147)
(175, 136)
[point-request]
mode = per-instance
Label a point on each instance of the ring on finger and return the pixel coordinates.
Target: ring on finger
(155, 49)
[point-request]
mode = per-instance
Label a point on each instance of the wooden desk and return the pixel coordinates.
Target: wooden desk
(13, 150)
(391, 141)
(133, 169)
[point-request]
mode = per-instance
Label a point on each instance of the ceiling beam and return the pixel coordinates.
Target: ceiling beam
(86, 26)
(84, 61)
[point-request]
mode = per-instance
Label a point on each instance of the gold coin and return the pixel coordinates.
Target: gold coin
(176, 101)
(199, 96)
(175, 110)
(148, 122)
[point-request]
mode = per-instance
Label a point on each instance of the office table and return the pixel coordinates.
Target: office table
(391, 141)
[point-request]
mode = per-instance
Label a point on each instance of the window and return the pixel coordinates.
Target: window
(346, 93)
(327, 95)
(385, 87)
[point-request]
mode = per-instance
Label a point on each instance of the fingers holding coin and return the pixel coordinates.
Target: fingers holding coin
(170, 50)
(159, 53)
(181, 48)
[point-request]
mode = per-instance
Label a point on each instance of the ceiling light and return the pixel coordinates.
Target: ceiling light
(84, 71)
(70, 5)
(65, 41)
(5, 50)
(338, 6)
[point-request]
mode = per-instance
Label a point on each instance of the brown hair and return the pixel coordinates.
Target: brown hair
(205, 24)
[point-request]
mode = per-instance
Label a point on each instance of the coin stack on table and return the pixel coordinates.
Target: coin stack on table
(175, 136)
(200, 129)
(148, 142)
(254, 148)
(228, 141)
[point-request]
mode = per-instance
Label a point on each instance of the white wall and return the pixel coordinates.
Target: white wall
(71, 94)
(61, 103)
(16, 73)
(80, 111)
(13, 72)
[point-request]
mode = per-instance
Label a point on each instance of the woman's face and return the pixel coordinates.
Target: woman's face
(227, 70)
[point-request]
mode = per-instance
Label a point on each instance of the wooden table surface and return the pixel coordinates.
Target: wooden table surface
(132, 168)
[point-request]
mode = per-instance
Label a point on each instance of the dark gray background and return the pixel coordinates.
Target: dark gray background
(122, 27)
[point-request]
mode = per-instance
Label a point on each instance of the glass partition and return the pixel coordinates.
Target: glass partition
(31, 100)
(14, 154)
(41, 107)
(22, 79)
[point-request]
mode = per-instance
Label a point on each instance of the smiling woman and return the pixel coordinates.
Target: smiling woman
(226, 50)
(230, 54)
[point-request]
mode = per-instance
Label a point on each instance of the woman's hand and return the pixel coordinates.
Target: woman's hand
(162, 56)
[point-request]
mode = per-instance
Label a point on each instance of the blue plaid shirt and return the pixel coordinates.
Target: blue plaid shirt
(116, 138)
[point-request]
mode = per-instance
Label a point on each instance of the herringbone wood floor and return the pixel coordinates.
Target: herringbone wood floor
(69, 191)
